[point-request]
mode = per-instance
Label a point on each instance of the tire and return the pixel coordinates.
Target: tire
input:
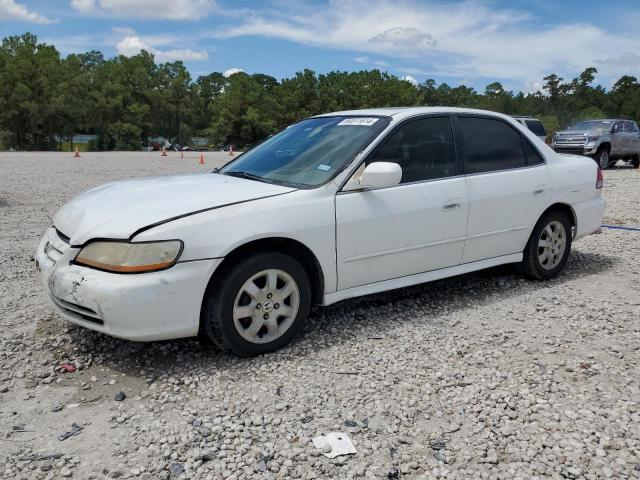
(264, 328)
(635, 161)
(533, 264)
(602, 158)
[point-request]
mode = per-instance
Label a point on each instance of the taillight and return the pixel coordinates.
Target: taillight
(599, 179)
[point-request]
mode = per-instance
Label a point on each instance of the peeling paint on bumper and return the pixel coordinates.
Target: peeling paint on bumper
(142, 307)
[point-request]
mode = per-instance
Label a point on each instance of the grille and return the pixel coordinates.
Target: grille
(576, 140)
(78, 310)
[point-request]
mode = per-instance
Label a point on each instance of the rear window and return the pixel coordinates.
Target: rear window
(536, 127)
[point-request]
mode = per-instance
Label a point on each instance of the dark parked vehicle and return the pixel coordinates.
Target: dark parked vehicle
(606, 141)
(534, 125)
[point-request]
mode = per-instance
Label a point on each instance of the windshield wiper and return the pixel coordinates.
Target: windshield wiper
(247, 175)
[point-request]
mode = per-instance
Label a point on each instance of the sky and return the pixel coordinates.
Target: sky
(470, 42)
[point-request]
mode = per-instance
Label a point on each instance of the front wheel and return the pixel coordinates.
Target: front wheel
(548, 247)
(258, 306)
(602, 158)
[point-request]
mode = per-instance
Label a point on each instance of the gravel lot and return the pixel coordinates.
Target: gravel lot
(486, 375)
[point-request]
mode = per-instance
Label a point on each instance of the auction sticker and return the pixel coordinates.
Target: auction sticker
(358, 121)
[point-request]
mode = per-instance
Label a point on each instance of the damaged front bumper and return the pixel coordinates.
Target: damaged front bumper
(149, 306)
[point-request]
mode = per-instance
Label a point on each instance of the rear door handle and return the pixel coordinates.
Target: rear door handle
(451, 206)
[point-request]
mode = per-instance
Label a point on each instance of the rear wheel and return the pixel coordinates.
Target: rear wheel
(548, 247)
(259, 305)
(602, 158)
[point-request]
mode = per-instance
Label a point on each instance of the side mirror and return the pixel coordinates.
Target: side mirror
(379, 175)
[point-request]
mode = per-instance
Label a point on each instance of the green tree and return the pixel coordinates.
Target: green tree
(31, 100)
(243, 116)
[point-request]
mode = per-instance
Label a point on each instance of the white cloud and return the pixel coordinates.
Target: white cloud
(378, 63)
(410, 79)
(133, 44)
(534, 87)
(170, 10)
(11, 10)
(404, 36)
(231, 71)
(627, 59)
(84, 6)
(467, 39)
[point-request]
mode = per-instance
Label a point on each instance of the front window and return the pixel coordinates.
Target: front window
(423, 148)
(309, 153)
(591, 126)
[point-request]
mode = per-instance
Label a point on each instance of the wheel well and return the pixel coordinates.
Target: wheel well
(286, 246)
(606, 145)
(566, 209)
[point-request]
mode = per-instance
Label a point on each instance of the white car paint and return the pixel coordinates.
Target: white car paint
(363, 241)
(389, 232)
(502, 205)
(118, 209)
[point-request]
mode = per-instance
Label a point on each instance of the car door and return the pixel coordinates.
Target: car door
(414, 227)
(630, 138)
(509, 186)
(618, 146)
(634, 139)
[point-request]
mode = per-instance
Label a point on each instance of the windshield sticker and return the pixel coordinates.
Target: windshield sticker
(359, 121)
(323, 167)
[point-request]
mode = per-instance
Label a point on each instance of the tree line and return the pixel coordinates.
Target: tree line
(126, 101)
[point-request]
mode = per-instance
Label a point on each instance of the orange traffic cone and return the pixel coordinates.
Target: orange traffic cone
(164, 152)
(201, 162)
(77, 154)
(231, 150)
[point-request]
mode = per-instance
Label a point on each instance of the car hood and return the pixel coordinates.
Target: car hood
(120, 209)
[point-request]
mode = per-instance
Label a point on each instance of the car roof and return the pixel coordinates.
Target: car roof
(399, 113)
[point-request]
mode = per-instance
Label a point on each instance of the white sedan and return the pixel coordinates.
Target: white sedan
(335, 206)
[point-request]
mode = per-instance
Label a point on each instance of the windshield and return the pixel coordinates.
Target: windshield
(308, 153)
(591, 125)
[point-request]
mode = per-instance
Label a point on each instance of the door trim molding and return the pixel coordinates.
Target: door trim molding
(381, 253)
(409, 280)
(402, 249)
(497, 232)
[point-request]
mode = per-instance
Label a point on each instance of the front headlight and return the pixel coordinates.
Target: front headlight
(125, 257)
(592, 138)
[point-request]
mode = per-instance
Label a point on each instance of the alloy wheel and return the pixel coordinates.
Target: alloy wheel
(603, 160)
(551, 245)
(266, 306)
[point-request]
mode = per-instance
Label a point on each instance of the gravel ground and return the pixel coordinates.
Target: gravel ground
(485, 375)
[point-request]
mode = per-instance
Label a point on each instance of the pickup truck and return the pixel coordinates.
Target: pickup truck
(606, 141)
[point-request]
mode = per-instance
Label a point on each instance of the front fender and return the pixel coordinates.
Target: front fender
(306, 216)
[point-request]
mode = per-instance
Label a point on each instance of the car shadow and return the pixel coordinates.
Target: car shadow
(353, 320)
(621, 167)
